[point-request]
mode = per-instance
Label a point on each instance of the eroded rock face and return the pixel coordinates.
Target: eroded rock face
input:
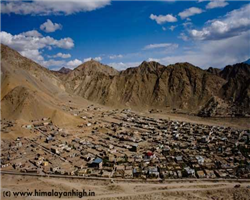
(214, 71)
(234, 97)
(237, 89)
(150, 85)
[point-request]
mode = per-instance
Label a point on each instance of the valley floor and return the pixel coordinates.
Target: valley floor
(22, 141)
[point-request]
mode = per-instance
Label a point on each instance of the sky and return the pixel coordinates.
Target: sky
(123, 34)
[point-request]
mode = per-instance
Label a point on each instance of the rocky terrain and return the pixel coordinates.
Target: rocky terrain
(234, 98)
(214, 71)
(181, 87)
(150, 85)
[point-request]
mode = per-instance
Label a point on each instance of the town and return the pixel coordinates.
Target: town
(123, 144)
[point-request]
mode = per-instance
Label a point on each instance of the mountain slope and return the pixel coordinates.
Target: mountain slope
(29, 91)
(237, 89)
(214, 71)
(150, 85)
(90, 80)
(234, 98)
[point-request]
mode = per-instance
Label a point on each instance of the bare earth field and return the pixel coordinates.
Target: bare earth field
(106, 190)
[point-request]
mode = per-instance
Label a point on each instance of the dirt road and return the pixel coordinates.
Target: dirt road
(105, 190)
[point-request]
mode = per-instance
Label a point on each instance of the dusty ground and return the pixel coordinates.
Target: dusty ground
(239, 123)
(105, 190)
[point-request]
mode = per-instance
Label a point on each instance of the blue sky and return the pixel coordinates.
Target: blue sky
(125, 33)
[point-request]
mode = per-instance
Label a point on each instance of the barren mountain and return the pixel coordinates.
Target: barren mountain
(28, 90)
(64, 70)
(181, 86)
(237, 89)
(150, 85)
(90, 80)
(61, 73)
(234, 98)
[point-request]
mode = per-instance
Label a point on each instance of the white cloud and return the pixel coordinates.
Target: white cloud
(233, 23)
(61, 63)
(32, 54)
(32, 33)
(50, 27)
(73, 63)
(160, 45)
(87, 59)
(161, 19)
(214, 53)
(172, 28)
(184, 37)
(30, 44)
(163, 28)
(52, 62)
(115, 56)
(60, 55)
(96, 59)
(216, 4)
(52, 7)
(190, 12)
(123, 66)
(21, 41)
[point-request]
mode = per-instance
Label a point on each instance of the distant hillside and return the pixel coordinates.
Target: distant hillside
(182, 87)
(62, 72)
(150, 85)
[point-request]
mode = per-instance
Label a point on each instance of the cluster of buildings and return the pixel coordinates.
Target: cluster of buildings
(123, 144)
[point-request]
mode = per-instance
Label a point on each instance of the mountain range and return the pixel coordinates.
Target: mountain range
(181, 87)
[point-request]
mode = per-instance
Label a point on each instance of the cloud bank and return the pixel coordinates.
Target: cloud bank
(52, 7)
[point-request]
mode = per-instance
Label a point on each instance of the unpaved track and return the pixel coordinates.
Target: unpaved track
(174, 187)
(105, 190)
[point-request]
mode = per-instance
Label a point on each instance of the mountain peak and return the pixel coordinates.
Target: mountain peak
(150, 66)
(64, 70)
(93, 66)
(233, 71)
